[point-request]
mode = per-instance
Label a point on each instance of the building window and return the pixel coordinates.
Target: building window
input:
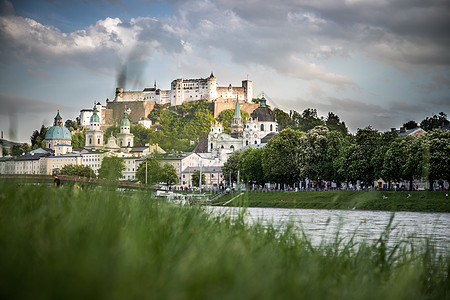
(271, 127)
(262, 127)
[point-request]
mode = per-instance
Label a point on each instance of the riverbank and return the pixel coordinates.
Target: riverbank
(68, 243)
(420, 201)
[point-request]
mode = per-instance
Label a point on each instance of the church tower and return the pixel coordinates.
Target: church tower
(236, 124)
(94, 136)
(216, 130)
(124, 137)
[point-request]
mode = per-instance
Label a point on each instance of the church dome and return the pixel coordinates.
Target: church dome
(263, 113)
(58, 133)
(95, 117)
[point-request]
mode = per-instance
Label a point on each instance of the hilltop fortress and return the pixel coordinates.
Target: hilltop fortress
(139, 104)
(187, 90)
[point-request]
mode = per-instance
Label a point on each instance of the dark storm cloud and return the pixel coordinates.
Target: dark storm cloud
(403, 33)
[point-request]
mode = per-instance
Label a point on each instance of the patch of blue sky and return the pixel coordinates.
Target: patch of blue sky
(69, 16)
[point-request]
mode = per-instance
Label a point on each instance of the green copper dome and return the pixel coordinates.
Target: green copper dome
(125, 121)
(58, 133)
(95, 117)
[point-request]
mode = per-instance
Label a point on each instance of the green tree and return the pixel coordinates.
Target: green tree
(196, 178)
(71, 125)
(368, 141)
(111, 168)
(37, 138)
(313, 153)
(430, 123)
(385, 140)
(413, 167)
(151, 167)
(283, 119)
(307, 120)
(335, 142)
(79, 140)
(231, 166)
(77, 170)
(181, 124)
(281, 157)
(410, 125)
(333, 122)
(20, 149)
(350, 164)
(393, 162)
(251, 166)
(114, 130)
(436, 147)
(226, 116)
(169, 174)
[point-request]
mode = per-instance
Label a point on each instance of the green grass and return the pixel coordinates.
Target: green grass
(423, 201)
(63, 243)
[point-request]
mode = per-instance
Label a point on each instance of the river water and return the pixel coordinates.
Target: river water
(322, 225)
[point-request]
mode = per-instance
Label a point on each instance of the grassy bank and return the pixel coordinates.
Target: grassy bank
(423, 201)
(63, 243)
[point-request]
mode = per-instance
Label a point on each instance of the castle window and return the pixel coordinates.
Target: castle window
(262, 127)
(99, 141)
(256, 142)
(211, 145)
(271, 127)
(246, 143)
(90, 141)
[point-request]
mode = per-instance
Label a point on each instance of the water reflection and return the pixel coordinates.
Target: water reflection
(322, 225)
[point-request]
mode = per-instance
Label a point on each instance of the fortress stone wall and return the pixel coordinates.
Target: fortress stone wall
(224, 104)
(136, 110)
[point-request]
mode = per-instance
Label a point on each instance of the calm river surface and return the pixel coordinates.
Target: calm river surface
(322, 225)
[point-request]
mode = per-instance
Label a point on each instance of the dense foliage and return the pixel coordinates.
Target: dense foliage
(181, 124)
(320, 154)
(196, 178)
(225, 117)
(77, 170)
(156, 173)
(37, 138)
(148, 171)
(308, 120)
(20, 149)
(111, 168)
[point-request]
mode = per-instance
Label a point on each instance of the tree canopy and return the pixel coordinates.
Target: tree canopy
(196, 178)
(169, 175)
(226, 116)
(77, 170)
(111, 168)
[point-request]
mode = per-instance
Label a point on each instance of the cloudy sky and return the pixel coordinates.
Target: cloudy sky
(375, 62)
